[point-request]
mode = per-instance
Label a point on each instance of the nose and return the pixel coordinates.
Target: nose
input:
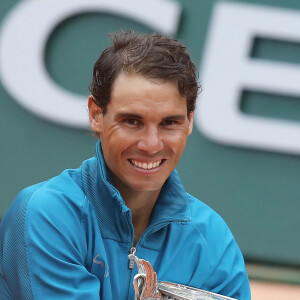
(150, 140)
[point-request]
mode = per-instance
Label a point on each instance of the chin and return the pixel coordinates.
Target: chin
(146, 187)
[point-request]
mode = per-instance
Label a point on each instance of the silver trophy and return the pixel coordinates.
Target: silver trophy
(147, 287)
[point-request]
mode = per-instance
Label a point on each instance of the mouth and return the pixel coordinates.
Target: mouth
(146, 166)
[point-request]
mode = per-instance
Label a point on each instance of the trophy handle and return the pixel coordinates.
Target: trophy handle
(145, 282)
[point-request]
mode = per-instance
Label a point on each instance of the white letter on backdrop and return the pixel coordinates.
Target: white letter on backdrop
(24, 35)
(227, 70)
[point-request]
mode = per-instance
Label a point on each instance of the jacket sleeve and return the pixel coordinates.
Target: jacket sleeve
(43, 250)
(227, 275)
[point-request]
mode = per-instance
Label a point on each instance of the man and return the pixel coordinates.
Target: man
(69, 237)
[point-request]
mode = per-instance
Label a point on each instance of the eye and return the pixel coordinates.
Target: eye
(168, 123)
(132, 122)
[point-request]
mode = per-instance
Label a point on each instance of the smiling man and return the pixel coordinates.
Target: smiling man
(143, 133)
(69, 237)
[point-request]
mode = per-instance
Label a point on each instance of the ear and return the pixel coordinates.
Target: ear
(95, 115)
(191, 121)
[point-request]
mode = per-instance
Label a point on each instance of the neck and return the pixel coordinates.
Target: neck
(141, 204)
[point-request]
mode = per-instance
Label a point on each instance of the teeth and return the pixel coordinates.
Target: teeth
(146, 166)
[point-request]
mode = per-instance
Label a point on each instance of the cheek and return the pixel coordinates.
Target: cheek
(115, 143)
(120, 134)
(176, 141)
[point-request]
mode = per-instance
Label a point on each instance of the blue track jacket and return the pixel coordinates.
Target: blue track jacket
(69, 238)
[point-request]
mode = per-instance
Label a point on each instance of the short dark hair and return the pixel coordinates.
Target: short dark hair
(152, 55)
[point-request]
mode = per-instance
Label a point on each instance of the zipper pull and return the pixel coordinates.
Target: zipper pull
(131, 257)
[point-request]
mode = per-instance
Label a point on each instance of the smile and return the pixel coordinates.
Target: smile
(145, 166)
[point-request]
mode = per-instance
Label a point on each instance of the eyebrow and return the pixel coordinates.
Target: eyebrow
(128, 116)
(136, 116)
(175, 117)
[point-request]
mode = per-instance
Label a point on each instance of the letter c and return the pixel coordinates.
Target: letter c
(23, 39)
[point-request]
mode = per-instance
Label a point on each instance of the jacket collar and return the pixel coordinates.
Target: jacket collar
(111, 211)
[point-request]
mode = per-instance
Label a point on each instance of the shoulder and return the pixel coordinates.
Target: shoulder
(46, 218)
(56, 200)
(219, 239)
(212, 228)
(227, 273)
(60, 194)
(43, 234)
(206, 219)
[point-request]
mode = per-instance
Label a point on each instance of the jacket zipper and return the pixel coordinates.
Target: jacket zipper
(134, 249)
(129, 270)
(131, 261)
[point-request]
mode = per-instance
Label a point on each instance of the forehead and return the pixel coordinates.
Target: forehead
(134, 91)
